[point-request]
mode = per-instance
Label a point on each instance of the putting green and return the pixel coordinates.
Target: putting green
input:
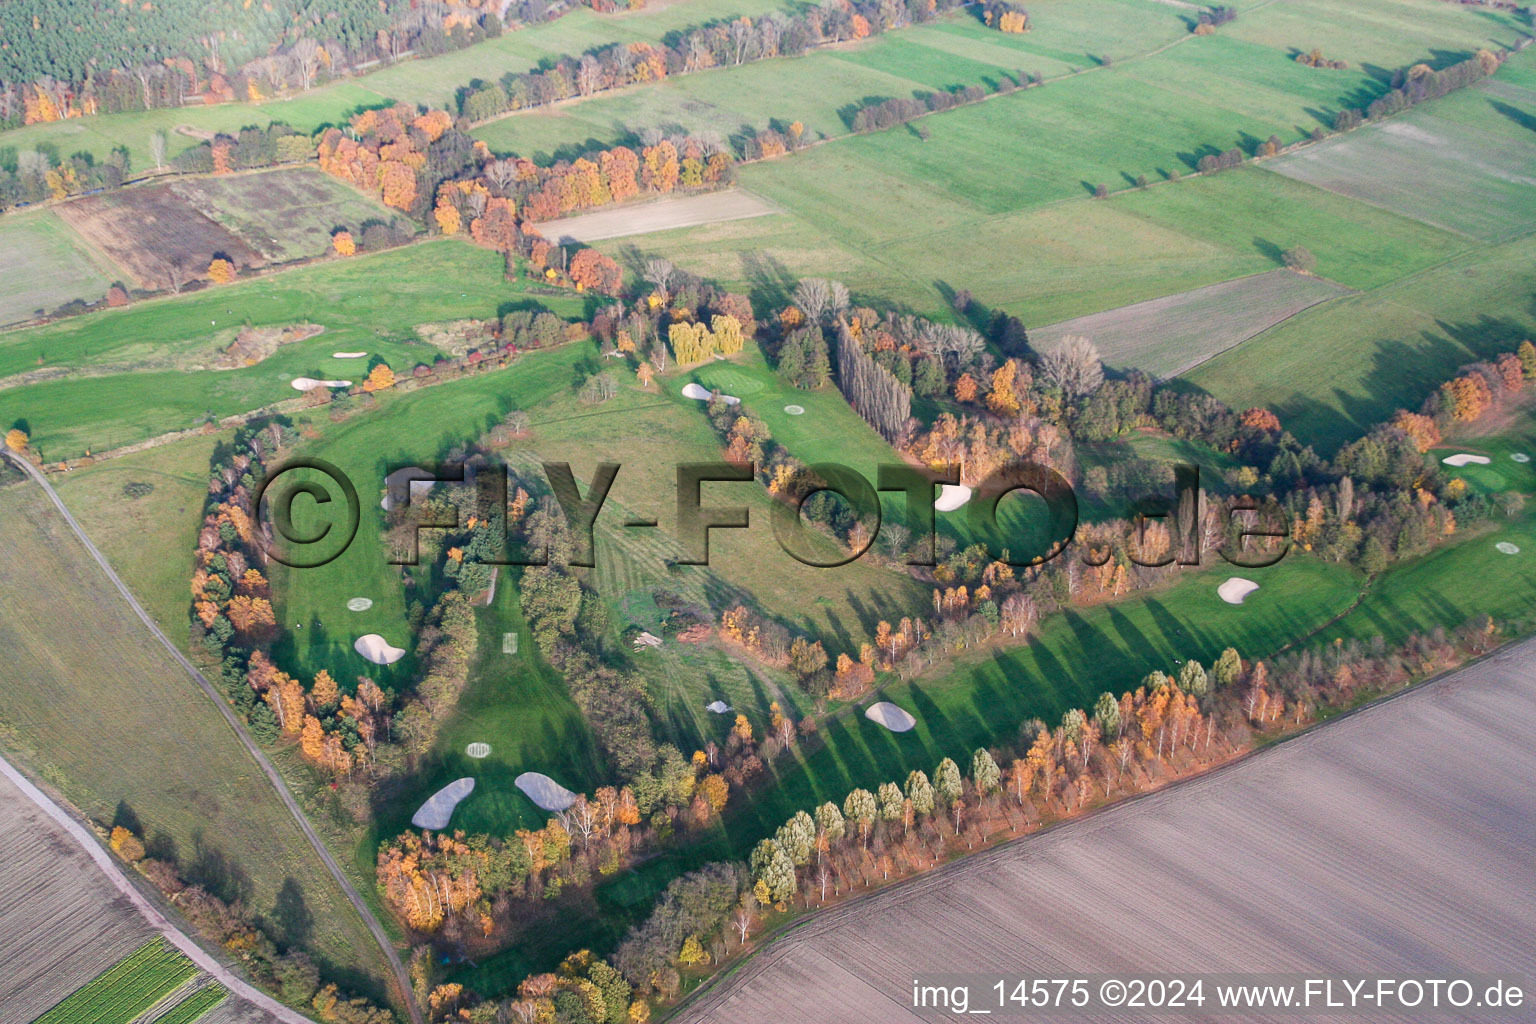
(728, 380)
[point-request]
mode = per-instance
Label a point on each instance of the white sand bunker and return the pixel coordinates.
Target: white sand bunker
(359, 604)
(348, 355)
(1520, 457)
(795, 410)
(377, 650)
(420, 482)
(1507, 548)
(309, 383)
(952, 496)
(1236, 589)
(1466, 460)
(889, 715)
(545, 791)
(478, 750)
(439, 807)
(719, 707)
(703, 394)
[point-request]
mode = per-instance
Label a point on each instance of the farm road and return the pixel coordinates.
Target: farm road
(401, 978)
(77, 834)
(1399, 840)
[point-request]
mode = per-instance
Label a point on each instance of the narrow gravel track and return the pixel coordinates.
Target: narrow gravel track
(401, 978)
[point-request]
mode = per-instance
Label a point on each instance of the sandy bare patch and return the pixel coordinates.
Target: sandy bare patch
(703, 394)
(310, 383)
(348, 355)
(377, 650)
(795, 410)
(659, 215)
(951, 497)
(1463, 459)
(545, 791)
(1507, 548)
(889, 715)
(359, 604)
(1236, 590)
(478, 750)
(434, 814)
(719, 707)
(254, 344)
(1520, 457)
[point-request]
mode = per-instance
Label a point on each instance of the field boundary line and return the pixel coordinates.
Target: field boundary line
(109, 867)
(392, 957)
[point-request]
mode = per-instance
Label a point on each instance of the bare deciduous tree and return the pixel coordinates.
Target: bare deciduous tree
(1073, 365)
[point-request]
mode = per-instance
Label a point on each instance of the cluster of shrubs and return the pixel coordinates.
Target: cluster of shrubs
(878, 115)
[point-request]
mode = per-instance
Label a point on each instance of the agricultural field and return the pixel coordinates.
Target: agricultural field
(61, 922)
(164, 235)
(43, 264)
(1345, 878)
(124, 991)
(1479, 146)
(1168, 336)
(660, 215)
(1332, 371)
(163, 755)
(194, 1007)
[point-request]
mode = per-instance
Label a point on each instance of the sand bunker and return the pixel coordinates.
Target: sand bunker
(359, 604)
(703, 394)
(478, 750)
(377, 650)
(1508, 548)
(309, 383)
(420, 480)
(795, 410)
(1466, 460)
(1520, 457)
(719, 707)
(889, 715)
(545, 791)
(952, 496)
(439, 807)
(348, 355)
(1236, 589)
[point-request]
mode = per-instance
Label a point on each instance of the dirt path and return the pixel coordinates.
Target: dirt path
(114, 873)
(660, 215)
(401, 979)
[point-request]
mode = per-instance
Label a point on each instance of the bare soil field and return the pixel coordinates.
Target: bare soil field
(1167, 336)
(1399, 840)
(159, 231)
(61, 922)
(661, 215)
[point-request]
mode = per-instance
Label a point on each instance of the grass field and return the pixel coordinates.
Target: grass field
(430, 282)
(43, 264)
(1478, 146)
(818, 88)
(194, 1007)
(149, 539)
(95, 707)
(123, 992)
(1167, 336)
(1333, 372)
